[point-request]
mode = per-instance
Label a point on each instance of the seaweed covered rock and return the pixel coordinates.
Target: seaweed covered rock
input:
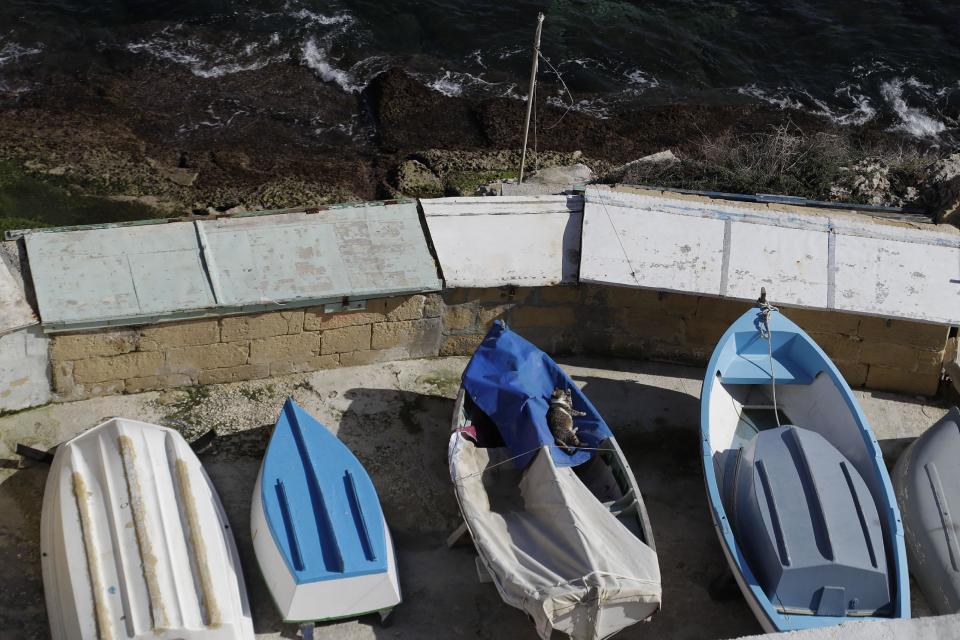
(417, 180)
(941, 190)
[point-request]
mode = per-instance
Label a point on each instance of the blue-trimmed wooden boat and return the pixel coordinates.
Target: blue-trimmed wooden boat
(318, 530)
(798, 491)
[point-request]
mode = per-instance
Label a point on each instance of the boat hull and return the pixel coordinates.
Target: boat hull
(135, 542)
(927, 482)
(810, 389)
(324, 599)
(590, 608)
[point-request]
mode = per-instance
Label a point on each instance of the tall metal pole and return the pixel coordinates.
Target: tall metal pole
(533, 84)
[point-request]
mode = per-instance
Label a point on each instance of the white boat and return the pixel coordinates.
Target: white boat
(564, 536)
(135, 542)
(318, 531)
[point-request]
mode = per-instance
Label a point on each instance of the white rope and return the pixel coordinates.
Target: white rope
(765, 310)
(623, 250)
(565, 88)
(497, 464)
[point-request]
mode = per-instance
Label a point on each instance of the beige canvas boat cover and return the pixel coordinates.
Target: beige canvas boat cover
(551, 548)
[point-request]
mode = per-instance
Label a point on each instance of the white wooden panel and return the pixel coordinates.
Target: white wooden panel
(24, 369)
(15, 313)
(496, 241)
(652, 249)
(820, 260)
(890, 278)
(792, 262)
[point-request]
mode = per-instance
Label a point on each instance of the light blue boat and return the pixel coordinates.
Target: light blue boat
(799, 494)
(318, 530)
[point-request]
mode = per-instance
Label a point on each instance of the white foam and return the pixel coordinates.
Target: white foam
(312, 17)
(315, 57)
(205, 60)
(447, 84)
(12, 51)
(640, 79)
(777, 99)
(912, 120)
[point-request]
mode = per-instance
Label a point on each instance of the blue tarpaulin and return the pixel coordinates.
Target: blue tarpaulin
(511, 381)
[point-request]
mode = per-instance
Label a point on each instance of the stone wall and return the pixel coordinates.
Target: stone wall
(892, 355)
(247, 347)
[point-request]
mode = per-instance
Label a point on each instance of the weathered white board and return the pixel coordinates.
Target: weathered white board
(874, 275)
(24, 369)
(528, 241)
(123, 275)
(792, 262)
(112, 275)
(15, 313)
(822, 261)
(665, 252)
(357, 252)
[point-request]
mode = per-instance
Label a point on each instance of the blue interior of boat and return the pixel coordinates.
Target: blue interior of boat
(320, 504)
(807, 525)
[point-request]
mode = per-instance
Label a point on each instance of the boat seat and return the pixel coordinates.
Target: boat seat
(807, 525)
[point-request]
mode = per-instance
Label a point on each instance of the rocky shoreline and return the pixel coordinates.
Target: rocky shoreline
(148, 143)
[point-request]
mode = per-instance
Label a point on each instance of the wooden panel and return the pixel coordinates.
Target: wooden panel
(136, 274)
(15, 313)
(116, 275)
(496, 241)
(821, 260)
(651, 249)
(791, 262)
(902, 279)
(357, 252)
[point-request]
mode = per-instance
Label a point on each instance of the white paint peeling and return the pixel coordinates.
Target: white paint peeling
(24, 369)
(528, 241)
(877, 269)
(150, 273)
(15, 313)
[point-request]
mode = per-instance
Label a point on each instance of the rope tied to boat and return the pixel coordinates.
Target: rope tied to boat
(497, 464)
(765, 310)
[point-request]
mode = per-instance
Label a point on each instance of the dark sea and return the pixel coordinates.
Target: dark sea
(895, 63)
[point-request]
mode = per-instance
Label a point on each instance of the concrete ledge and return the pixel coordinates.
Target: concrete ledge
(932, 628)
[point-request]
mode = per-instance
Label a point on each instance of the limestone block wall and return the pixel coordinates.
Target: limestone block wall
(892, 355)
(247, 347)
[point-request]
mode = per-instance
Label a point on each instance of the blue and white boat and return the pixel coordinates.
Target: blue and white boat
(799, 494)
(318, 530)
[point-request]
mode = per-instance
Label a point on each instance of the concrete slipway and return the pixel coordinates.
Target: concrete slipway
(396, 418)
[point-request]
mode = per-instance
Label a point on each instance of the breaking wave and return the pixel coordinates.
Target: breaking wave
(316, 58)
(913, 120)
(205, 60)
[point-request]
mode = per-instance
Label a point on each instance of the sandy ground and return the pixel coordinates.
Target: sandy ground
(396, 418)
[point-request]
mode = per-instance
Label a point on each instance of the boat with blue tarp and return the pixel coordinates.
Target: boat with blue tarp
(564, 536)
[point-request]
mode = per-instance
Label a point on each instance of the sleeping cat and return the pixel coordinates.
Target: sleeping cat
(560, 419)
